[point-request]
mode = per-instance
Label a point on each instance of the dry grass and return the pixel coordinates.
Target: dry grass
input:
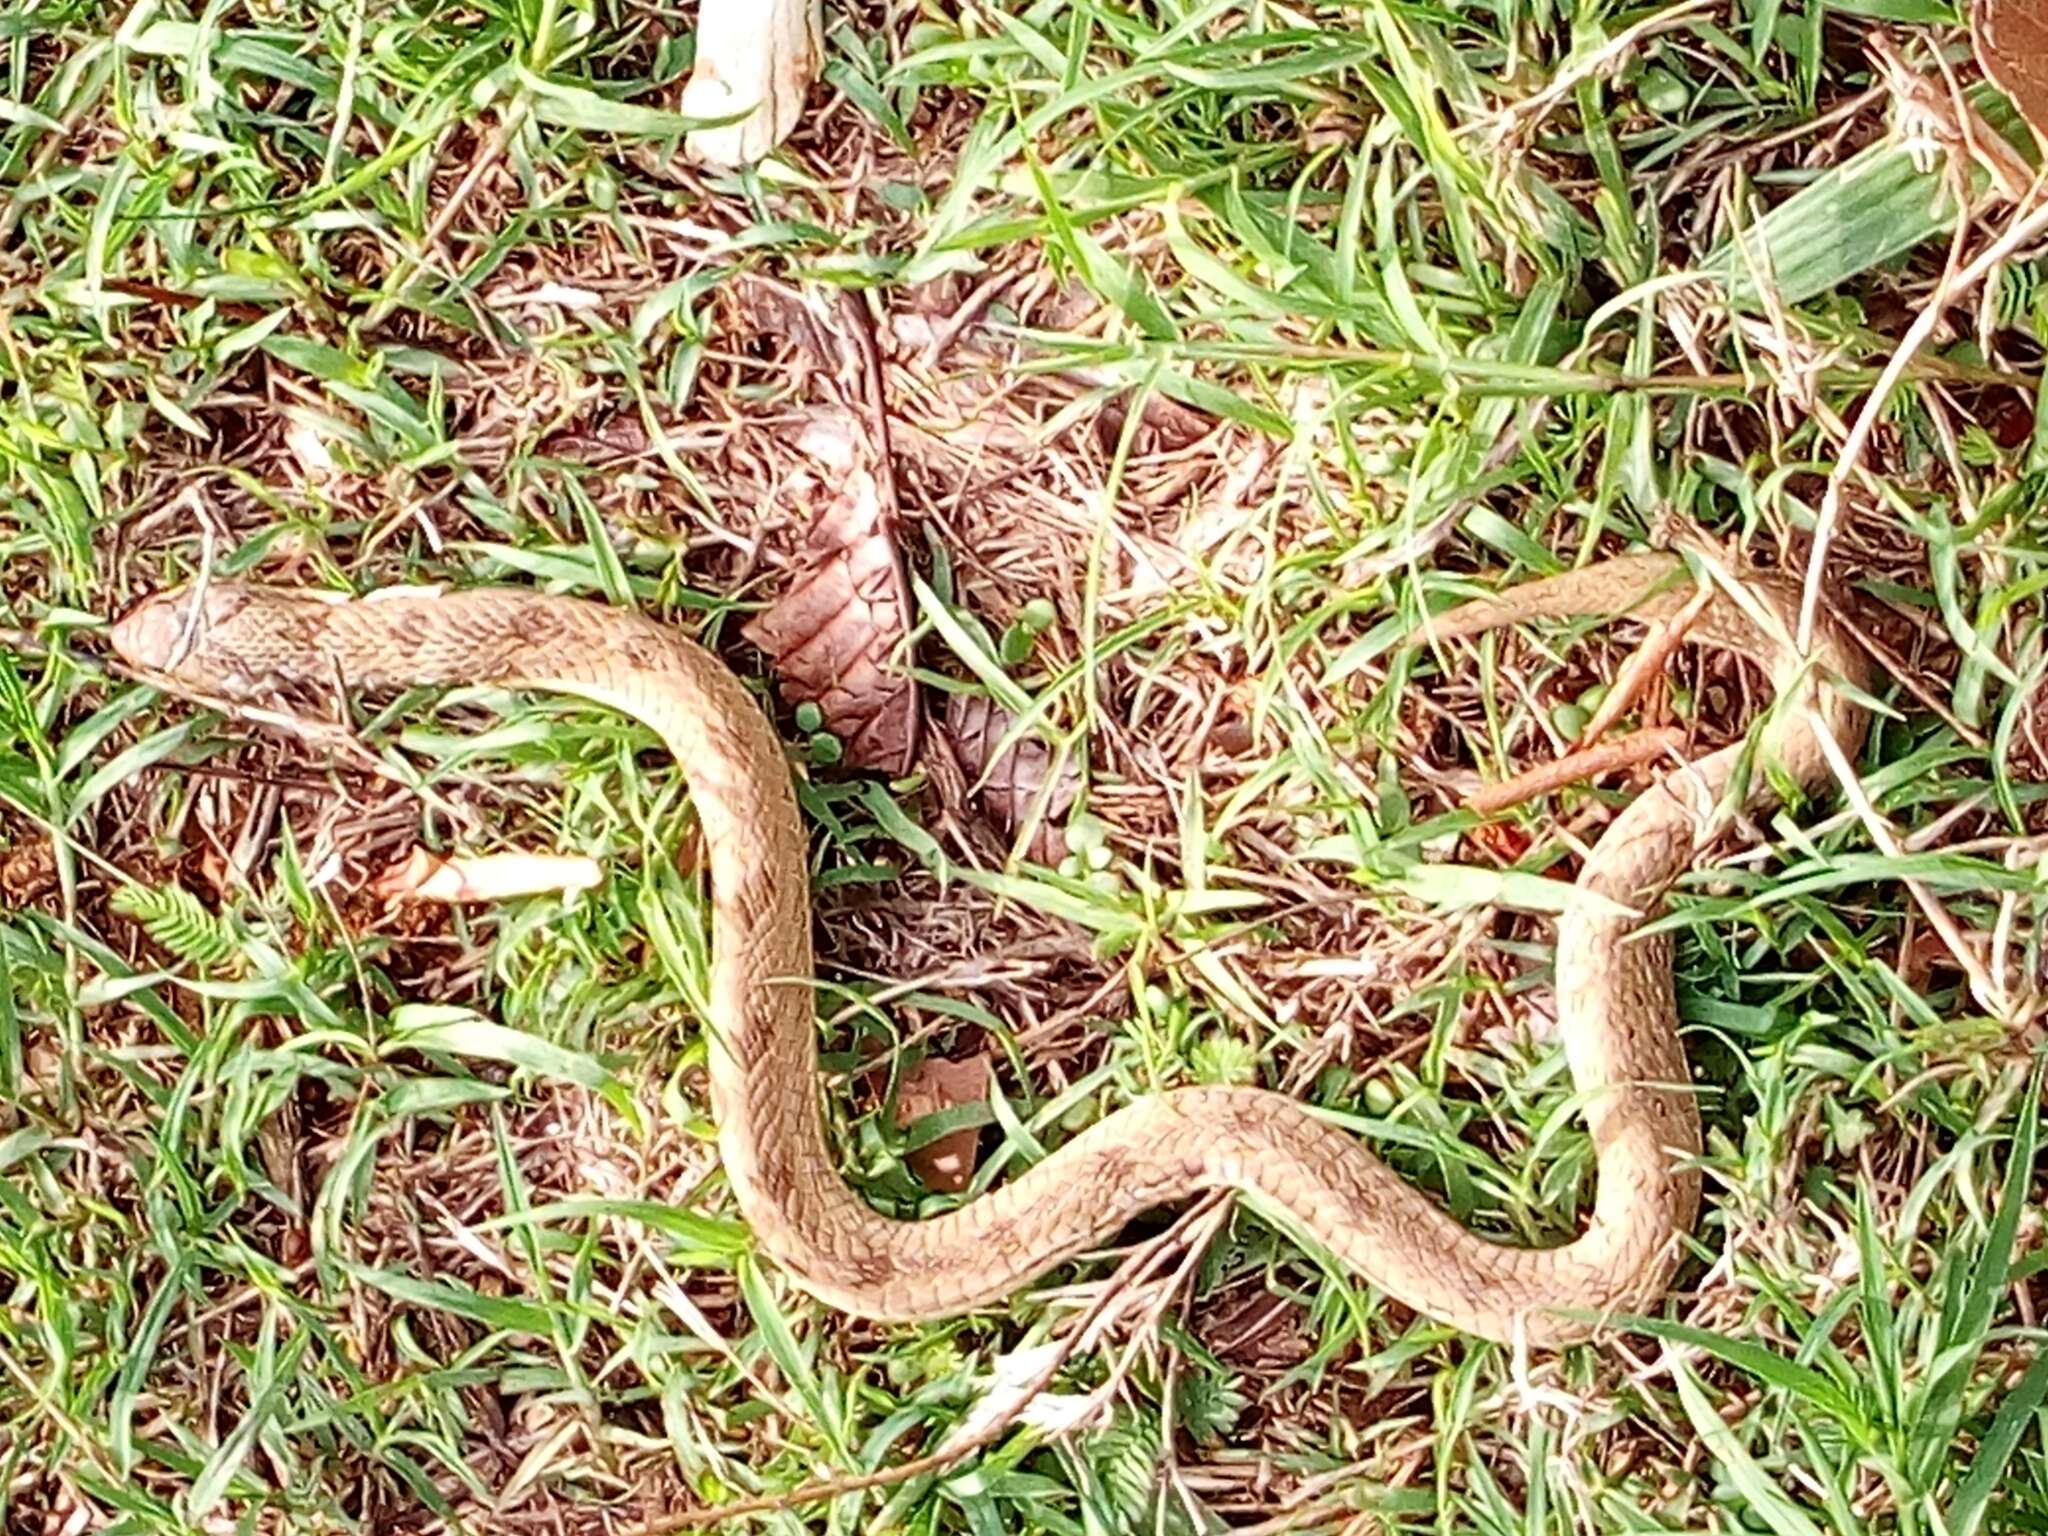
(268, 1267)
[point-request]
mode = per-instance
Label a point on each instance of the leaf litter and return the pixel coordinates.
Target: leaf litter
(1010, 458)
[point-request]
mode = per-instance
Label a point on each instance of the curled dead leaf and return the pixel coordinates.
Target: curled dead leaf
(424, 876)
(832, 437)
(1015, 782)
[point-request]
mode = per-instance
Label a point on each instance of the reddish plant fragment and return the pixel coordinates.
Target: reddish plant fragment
(833, 635)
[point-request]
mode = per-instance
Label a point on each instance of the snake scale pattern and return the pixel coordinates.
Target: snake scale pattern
(1617, 1012)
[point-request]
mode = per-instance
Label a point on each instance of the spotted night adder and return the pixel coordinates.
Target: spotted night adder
(1617, 1012)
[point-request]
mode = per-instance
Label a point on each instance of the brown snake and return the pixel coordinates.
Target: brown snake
(1617, 1012)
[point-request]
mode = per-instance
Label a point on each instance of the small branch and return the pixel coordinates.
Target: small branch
(1643, 667)
(1628, 752)
(1953, 285)
(481, 164)
(1990, 996)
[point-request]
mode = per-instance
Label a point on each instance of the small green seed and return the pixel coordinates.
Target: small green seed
(1016, 645)
(1571, 720)
(808, 716)
(1662, 92)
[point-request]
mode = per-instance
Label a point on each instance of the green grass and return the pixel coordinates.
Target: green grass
(318, 1217)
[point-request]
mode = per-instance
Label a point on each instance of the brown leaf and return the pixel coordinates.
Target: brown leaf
(833, 633)
(1166, 426)
(2011, 42)
(28, 871)
(1256, 1330)
(831, 437)
(1501, 840)
(946, 1165)
(1015, 780)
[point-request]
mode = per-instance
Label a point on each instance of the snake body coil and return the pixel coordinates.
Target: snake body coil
(1617, 1013)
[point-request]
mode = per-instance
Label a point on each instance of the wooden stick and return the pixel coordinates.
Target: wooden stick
(1642, 668)
(1627, 752)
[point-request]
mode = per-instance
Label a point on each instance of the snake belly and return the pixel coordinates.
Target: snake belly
(1617, 1013)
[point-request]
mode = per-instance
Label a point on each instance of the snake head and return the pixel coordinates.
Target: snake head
(151, 634)
(212, 639)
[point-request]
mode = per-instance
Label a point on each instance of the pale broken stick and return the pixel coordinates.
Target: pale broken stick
(756, 57)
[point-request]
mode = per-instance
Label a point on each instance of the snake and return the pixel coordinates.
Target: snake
(234, 643)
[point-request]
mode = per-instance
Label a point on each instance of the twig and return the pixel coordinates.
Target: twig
(1542, 778)
(53, 146)
(1642, 668)
(1841, 112)
(1897, 671)
(480, 165)
(1990, 996)
(1419, 544)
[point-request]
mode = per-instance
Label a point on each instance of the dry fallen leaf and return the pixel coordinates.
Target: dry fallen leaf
(28, 871)
(1012, 782)
(934, 1084)
(425, 876)
(832, 437)
(1166, 426)
(833, 634)
(1256, 1330)
(2010, 38)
